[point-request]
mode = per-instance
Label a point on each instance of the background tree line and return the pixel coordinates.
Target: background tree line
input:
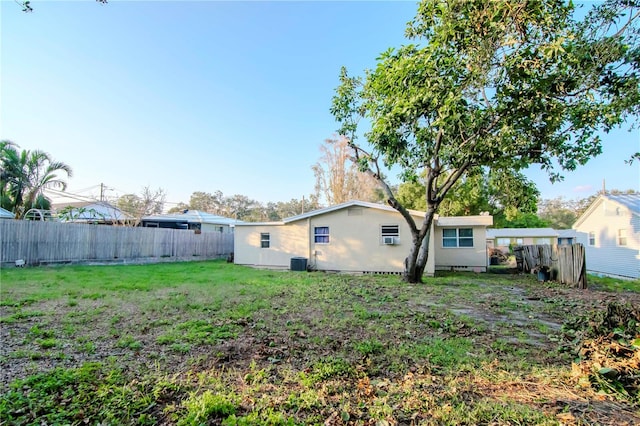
(510, 197)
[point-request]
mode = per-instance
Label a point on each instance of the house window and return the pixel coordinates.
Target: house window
(504, 242)
(543, 241)
(622, 237)
(265, 240)
(592, 238)
(321, 235)
(457, 237)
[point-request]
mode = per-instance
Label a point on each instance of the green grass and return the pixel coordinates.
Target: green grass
(215, 343)
(613, 284)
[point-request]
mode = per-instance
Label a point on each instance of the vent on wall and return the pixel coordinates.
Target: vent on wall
(389, 240)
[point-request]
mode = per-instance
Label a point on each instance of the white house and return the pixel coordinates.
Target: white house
(361, 237)
(502, 238)
(610, 231)
(95, 212)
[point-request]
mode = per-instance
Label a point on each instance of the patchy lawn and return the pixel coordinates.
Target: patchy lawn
(215, 343)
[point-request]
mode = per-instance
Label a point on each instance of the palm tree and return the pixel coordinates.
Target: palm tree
(24, 175)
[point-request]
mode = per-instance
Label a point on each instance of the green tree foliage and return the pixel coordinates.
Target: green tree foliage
(559, 212)
(244, 208)
(24, 175)
(501, 193)
(491, 84)
(562, 213)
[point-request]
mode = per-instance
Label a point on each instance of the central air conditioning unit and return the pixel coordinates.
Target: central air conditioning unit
(389, 240)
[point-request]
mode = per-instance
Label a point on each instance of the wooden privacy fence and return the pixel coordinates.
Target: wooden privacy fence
(565, 263)
(53, 242)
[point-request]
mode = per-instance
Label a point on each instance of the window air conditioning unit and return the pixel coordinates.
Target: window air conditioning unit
(389, 240)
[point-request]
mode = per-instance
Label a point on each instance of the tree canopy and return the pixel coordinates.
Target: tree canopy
(338, 178)
(24, 175)
(491, 84)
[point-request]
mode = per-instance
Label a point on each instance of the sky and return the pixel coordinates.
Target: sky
(189, 96)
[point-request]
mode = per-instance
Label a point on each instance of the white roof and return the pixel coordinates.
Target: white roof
(628, 201)
(567, 233)
(484, 219)
(440, 221)
(191, 216)
(6, 214)
(97, 211)
(521, 232)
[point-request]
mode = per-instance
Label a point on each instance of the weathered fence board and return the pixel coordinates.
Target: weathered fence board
(566, 263)
(50, 242)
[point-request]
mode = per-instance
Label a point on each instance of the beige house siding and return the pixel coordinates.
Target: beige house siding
(355, 241)
(286, 241)
(606, 218)
(461, 258)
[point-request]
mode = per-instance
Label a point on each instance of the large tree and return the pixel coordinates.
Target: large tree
(338, 178)
(24, 175)
(148, 202)
(500, 84)
(502, 193)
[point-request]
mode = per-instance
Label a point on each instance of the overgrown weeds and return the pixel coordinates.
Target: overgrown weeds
(214, 343)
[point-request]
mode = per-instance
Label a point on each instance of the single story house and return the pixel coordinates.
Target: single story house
(504, 238)
(6, 214)
(94, 212)
(567, 237)
(190, 219)
(610, 231)
(361, 237)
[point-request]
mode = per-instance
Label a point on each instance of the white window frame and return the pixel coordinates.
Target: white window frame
(457, 238)
(592, 238)
(317, 235)
(264, 240)
(622, 237)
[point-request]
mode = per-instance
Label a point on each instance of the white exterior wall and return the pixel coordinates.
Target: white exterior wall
(286, 241)
(462, 258)
(355, 242)
(209, 227)
(606, 256)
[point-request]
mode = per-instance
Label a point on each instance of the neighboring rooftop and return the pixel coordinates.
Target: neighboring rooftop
(521, 232)
(6, 214)
(630, 201)
(192, 216)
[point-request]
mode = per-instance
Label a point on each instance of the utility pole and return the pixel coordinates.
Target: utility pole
(102, 192)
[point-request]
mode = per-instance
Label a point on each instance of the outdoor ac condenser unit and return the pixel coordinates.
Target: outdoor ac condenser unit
(389, 240)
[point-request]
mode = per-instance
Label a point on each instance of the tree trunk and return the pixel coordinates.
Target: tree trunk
(416, 262)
